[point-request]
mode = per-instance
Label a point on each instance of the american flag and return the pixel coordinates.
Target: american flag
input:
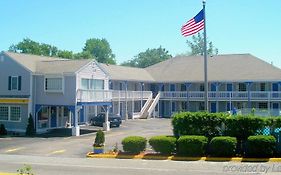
(194, 25)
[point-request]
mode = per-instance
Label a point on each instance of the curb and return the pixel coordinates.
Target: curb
(7, 173)
(177, 158)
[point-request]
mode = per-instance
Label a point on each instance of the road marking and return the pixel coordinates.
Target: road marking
(13, 150)
(58, 151)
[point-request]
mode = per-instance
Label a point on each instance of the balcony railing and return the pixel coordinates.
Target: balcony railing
(110, 95)
(222, 95)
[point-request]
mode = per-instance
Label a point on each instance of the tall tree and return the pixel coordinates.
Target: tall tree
(197, 46)
(148, 58)
(100, 49)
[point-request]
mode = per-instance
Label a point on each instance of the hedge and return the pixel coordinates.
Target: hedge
(198, 123)
(192, 145)
(223, 146)
(134, 144)
(261, 146)
(163, 144)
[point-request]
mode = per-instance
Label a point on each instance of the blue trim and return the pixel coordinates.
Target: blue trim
(94, 103)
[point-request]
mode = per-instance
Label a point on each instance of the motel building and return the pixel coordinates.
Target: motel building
(61, 93)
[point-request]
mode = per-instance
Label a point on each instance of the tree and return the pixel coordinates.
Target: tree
(148, 58)
(83, 55)
(31, 47)
(197, 46)
(65, 54)
(100, 49)
(30, 129)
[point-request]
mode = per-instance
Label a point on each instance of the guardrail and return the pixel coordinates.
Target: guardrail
(222, 95)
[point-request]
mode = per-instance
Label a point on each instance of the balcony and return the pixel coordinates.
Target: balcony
(222, 95)
(110, 95)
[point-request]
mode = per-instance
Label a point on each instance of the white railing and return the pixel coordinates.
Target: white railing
(110, 95)
(222, 95)
(153, 105)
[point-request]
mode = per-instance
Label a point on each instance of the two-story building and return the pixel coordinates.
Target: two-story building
(65, 93)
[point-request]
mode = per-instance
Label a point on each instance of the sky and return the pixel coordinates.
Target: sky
(132, 26)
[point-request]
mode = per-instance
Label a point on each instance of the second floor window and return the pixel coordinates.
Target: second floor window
(53, 84)
(242, 87)
(92, 84)
(14, 83)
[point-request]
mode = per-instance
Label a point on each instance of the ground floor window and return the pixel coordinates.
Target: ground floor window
(263, 105)
(10, 113)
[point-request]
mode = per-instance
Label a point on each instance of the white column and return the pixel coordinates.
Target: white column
(76, 128)
(69, 119)
(106, 124)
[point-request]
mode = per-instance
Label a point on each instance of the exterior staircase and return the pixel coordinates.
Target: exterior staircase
(149, 107)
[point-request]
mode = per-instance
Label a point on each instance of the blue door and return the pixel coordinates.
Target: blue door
(53, 117)
(275, 107)
(213, 107)
(172, 87)
(229, 87)
(229, 108)
(274, 86)
(213, 87)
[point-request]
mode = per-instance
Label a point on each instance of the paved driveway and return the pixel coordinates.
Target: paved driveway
(78, 146)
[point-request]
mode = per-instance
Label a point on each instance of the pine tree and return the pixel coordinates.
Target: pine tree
(30, 130)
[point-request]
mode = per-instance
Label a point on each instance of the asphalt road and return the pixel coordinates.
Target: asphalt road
(54, 146)
(72, 166)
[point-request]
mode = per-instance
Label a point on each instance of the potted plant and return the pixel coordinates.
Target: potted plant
(99, 143)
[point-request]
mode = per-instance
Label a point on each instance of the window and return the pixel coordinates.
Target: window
(10, 113)
(263, 105)
(92, 84)
(53, 84)
(202, 87)
(14, 83)
(242, 87)
(4, 113)
(14, 113)
(262, 86)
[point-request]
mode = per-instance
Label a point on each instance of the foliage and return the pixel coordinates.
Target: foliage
(134, 144)
(65, 54)
(30, 129)
(198, 123)
(100, 139)
(197, 46)
(223, 146)
(242, 127)
(163, 144)
(100, 49)
(31, 47)
(26, 170)
(3, 130)
(261, 146)
(192, 145)
(148, 58)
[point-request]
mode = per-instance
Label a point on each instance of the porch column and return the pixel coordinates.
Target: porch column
(187, 86)
(106, 124)
(126, 100)
(249, 85)
(142, 84)
(217, 98)
(76, 128)
(160, 85)
(119, 103)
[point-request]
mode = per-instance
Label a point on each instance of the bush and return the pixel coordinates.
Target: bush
(163, 144)
(242, 127)
(99, 140)
(192, 145)
(134, 144)
(261, 146)
(30, 129)
(3, 130)
(198, 123)
(223, 146)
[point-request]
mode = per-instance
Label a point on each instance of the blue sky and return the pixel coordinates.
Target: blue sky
(132, 26)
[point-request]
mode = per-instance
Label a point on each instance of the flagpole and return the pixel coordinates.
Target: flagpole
(205, 62)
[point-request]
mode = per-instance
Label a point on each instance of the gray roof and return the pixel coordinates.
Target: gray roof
(127, 73)
(232, 67)
(48, 65)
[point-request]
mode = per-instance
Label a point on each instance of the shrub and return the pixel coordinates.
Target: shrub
(30, 129)
(198, 123)
(134, 144)
(223, 146)
(192, 145)
(242, 127)
(3, 130)
(99, 140)
(261, 146)
(163, 144)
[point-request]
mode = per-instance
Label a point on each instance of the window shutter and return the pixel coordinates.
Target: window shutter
(9, 83)
(19, 83)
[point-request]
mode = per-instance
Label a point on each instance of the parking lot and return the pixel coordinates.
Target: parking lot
(63, 145)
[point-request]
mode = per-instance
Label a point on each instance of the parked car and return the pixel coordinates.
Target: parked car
(114, 119)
